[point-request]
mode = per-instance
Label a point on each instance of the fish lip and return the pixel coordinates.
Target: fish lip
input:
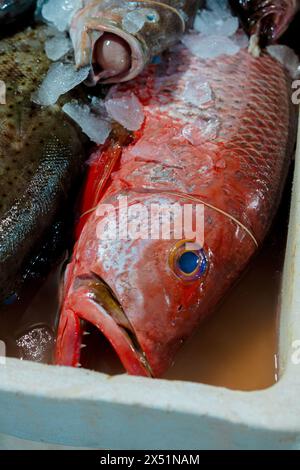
(127, 333)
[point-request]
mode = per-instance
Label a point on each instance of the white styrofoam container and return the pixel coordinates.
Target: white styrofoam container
(77, 407)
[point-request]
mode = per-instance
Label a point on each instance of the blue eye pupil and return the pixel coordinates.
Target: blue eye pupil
(150, 17)
(188, 262)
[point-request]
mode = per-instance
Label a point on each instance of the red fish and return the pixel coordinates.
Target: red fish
(217, 134)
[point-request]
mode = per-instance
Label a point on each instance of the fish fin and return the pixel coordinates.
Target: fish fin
(102, 163)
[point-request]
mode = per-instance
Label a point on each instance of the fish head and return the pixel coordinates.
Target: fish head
(146, 291)
(118, 39)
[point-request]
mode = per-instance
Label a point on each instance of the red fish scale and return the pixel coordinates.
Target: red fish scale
(254, 110)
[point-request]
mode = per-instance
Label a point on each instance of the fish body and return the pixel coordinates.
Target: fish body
(229, 154)
(266, 20)
(41, 155)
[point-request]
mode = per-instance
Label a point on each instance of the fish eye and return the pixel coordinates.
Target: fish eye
(188, 264)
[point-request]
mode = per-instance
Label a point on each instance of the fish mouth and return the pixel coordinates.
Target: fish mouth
(124, 53)
(273, 20)
(271, 27)
(267, 20)
(100, 311)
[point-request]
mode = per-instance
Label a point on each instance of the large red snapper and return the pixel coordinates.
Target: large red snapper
(216, 132)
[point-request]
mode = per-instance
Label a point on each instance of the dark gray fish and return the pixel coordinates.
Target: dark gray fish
(11, 10)
(267, 20)
(41, 155)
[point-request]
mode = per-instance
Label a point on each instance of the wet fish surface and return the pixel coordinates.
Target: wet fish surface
(41, 155)
(222, 140)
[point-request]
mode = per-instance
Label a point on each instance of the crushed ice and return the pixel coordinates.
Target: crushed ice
(204, 129)
(92, 119)
(216, 32)
(60, 12)
(134, 21)
(60, 79)
(216, 20)
(126, 109)
(210, 47)
(287, 57)
(197, 91)
(57, 46)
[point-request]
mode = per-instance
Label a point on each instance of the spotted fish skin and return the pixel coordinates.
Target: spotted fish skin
(41, 154)
(237, 173)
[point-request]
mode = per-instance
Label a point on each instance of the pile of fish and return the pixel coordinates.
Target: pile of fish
(198, 116)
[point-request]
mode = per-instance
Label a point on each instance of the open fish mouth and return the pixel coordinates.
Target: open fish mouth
(268, 19)
(95, 305)
(272, 20)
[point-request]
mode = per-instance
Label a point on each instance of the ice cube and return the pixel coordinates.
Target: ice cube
(219, 7)
(60, 12)
(216, 19)
(57, 46)
(60, 79)
(203, 129)
(209, 23)
(126, 109)
(210, 47)
(287, 57)
(134, 21)
(197, 91)
(95, 125)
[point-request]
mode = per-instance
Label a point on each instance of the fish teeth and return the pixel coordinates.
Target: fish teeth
(85, 333)
(78, 364)
(83, 346)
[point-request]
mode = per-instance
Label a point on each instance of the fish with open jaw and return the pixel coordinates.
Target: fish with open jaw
(118, 38)
(221, 141)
